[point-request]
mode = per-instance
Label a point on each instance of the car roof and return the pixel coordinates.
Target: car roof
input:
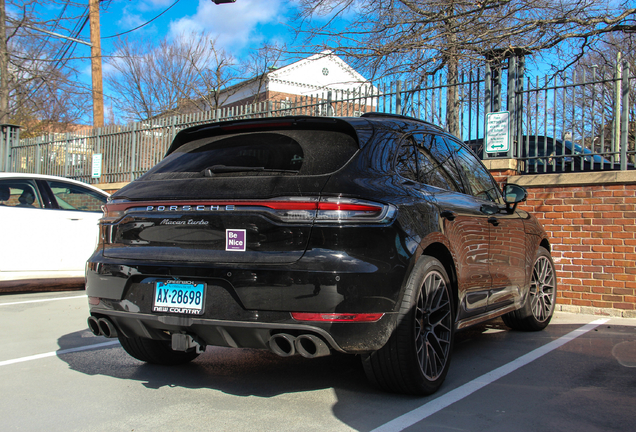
(11, 175)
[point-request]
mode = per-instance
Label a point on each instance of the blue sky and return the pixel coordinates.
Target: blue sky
(238, 27)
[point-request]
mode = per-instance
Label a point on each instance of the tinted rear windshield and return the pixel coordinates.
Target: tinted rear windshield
(275, 152)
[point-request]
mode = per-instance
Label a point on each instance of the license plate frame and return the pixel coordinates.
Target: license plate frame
(179, 297)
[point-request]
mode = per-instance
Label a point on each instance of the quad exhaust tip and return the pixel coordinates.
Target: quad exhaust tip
(307, 345)
(102, 327)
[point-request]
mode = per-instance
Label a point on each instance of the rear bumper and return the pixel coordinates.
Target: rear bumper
(246, 305)
(351, 338)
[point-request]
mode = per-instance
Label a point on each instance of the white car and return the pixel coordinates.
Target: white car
(48, 226)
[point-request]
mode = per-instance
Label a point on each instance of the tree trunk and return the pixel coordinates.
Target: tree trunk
(4, 67)
(452, 101)
(451, 55)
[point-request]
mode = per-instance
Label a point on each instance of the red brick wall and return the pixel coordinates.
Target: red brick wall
(592, 231)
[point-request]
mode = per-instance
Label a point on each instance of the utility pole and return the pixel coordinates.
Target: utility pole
(96, 64)
(4, 67)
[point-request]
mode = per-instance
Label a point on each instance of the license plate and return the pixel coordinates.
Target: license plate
(179, 297)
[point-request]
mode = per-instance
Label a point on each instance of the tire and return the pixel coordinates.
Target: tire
(417, 356)
(538, 309)
(155, 351)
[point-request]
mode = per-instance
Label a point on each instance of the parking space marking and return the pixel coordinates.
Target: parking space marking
(409, 419)
(57, 353)
(42, 300)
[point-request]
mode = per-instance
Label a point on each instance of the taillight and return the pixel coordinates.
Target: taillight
(341, 210)
(336, 317)
(113, 212)
(328, 210)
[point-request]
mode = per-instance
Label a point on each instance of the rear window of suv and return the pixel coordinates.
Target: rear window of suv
(274, 152)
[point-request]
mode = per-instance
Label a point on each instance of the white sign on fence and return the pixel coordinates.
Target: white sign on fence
(97, 165)
(497, 132)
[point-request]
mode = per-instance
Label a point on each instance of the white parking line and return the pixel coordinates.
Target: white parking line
(438, 404)
(42, 300)
(57, 353)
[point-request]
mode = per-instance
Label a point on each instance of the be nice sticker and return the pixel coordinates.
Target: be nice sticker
(235, 240)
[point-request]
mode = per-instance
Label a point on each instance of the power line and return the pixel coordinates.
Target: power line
(144, 24)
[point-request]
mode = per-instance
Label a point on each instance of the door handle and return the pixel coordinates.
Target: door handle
(493, 220)
(448, 214)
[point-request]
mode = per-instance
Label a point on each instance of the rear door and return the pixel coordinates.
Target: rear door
(76, 223)
(507, 243)
(424, 161)
(466, 227)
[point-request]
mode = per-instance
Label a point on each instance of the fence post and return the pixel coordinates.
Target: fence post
(9, 134)
(398, 97)
(38, 157)
(495, 77)
(66, 159)
(329, 108)
(96, 150)
(133, 150)
(617, 106)
(511, 99)
(521, 75)
(625, 115)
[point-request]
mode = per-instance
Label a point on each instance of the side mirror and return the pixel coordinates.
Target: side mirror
(513, 194)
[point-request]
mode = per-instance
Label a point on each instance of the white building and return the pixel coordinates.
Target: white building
(303, 82)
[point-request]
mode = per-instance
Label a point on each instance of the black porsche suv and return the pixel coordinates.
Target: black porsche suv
(378, 236)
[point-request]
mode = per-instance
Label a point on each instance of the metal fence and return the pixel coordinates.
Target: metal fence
(583, 120)
(595, 114)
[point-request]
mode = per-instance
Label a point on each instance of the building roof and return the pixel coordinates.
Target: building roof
(321, 72)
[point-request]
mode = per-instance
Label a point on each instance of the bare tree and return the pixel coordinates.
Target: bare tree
(182, 75)
(175, 76)
(416, 38)
(39, 87)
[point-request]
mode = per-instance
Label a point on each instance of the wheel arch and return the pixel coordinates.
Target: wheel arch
(440, 252)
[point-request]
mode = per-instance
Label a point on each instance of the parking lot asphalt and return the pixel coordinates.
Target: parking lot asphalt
(577, 375)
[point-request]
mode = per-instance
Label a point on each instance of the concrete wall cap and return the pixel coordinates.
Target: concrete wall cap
(574, 179)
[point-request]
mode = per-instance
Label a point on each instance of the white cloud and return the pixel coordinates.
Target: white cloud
(235, 25)
(129, 19)
(150, 5)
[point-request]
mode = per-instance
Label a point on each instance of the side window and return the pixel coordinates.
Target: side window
(429, 170)
(74, 197)
(19, 193)
(444, 171)
(480, 182)
(405, 161)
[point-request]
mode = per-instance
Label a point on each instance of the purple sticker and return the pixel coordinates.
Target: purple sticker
(235, 240)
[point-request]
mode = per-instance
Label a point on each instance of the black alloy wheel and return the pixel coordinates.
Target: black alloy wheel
(543, 289)
(433, 323)
(416, 358)
(541, 300)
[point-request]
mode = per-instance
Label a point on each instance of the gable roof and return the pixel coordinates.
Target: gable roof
(321, 72)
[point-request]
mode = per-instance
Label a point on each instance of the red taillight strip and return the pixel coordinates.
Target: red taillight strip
(274, 205)
(336, 317)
